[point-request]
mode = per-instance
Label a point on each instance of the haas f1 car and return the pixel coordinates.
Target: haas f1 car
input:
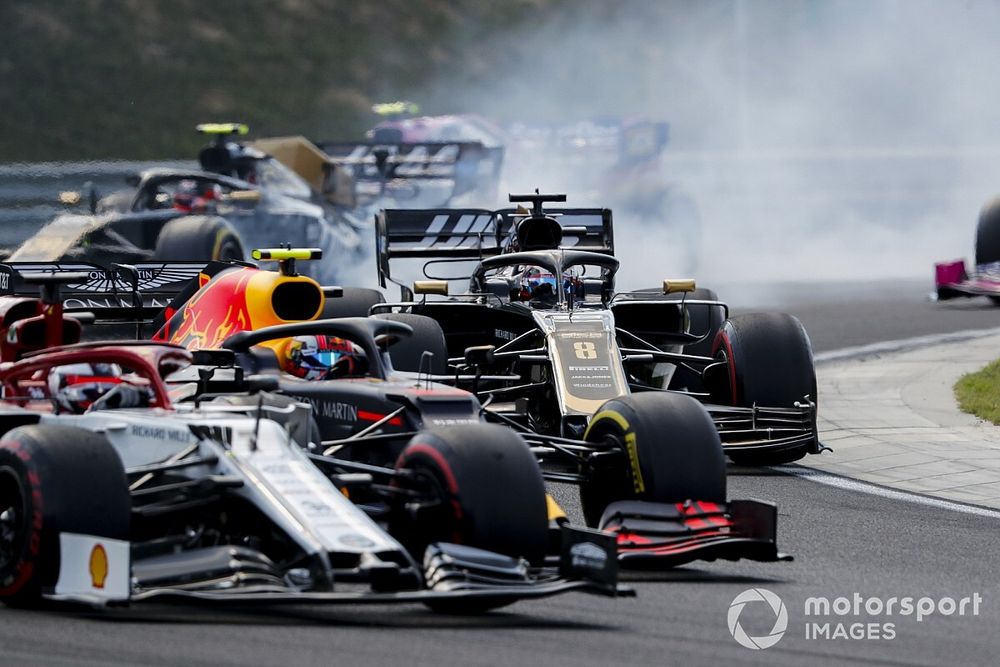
(243, 196)
(117, 485)
(650, 468)
(542, 304)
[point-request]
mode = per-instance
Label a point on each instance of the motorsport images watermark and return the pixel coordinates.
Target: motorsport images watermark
(826, 618)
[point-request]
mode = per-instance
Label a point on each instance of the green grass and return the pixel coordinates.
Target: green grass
(107, 78)
(979, 393)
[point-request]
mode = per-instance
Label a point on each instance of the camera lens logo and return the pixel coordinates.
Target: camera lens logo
(773, 603)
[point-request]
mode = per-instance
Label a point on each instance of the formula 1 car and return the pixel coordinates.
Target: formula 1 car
(113, 492)
(665, 501)
(542, 297)
(952, 279)
(423, 161)
(241, 198)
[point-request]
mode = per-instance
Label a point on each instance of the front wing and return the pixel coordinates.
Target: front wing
(99, 571)
(666, 535)
(952, 280)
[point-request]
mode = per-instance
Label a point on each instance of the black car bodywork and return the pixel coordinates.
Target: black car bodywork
(638, 341)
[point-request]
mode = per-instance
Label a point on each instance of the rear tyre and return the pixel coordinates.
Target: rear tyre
(54, 479)
(670, 448)
(770, 364)
(988, 233)
(492, 497)
(355, 302)
(198, 238)
(407, 354)
(988, 237)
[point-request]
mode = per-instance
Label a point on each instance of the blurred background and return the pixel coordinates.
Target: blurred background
(845, 140)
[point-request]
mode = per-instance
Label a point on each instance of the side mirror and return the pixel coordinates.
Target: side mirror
(430, 287)
(246, 196)
(69, 197)
(679, 285)
(479, 355)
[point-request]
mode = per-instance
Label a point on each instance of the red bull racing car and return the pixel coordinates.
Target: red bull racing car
(118, 486)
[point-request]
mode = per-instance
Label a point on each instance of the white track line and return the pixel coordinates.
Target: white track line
(850, 484)
(902, 345)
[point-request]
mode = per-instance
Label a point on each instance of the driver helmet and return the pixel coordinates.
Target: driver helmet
(74, 388)
(192, 197)
(323, 358)
(538, 284)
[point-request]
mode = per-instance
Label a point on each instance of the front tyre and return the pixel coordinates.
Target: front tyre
(670, 448)
(491, 496)
(769, 363)
(198, 238)
(54, 479)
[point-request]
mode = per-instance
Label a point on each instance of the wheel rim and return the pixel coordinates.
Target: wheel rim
(230, 251)
(11, 518)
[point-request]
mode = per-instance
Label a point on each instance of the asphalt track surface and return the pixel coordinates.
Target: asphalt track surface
(844, 542)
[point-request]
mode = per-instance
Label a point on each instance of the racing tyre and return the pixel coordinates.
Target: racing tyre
(428, 336)
(770, 364)
(988, 237)
(54, 479)
(492, 494)
(670, 448)
(355, 302)
(196, 238)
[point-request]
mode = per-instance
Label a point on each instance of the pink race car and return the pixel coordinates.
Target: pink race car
(953, 280)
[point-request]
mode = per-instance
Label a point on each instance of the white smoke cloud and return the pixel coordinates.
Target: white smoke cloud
(845, 139)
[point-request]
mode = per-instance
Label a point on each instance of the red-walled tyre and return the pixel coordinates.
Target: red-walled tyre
(492, 487)
(769, 363)
(54, 479)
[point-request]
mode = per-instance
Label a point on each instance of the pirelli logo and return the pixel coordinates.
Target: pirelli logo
(633, 463)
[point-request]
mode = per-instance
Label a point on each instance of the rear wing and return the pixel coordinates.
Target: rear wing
(118, 292)
(314, 166)
(469, 165)
(477, 233)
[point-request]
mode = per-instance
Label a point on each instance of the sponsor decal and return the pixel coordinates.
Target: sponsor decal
(93, 568)
(314, 508)
(161, 433)
(344, 412)
(4, 281)
(98, 566)
(109, 302)
(503, 335)
(580, 334)
(588, 555)
(356, 540)
(453, 421)
(633, 463)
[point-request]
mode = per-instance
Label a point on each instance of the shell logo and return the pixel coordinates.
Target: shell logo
(98, 566)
